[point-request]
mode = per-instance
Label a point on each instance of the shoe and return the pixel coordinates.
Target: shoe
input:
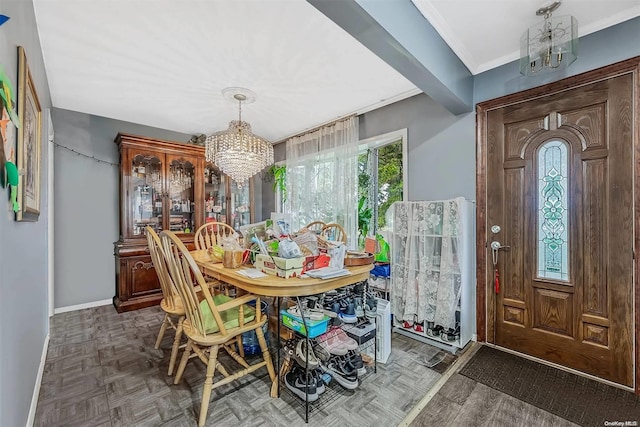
(321, 353)
(434, 330)
(343, 372)
(348, 342)
(295, 381)
(419, 327)
(370, 307)
(359, 310)
(311, 315)
(332, 344)
(348, 313)
(356, 360)
(407, 325)
(320, 387)
(300, 353)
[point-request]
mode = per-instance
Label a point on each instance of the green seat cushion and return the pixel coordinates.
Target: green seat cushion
(229, 317)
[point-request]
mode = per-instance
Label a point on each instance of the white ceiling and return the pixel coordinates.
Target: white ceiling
(485, 34)
(164, 63)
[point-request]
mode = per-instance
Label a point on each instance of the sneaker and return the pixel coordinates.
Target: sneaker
(370, 307)
(321, 353)
(434, 330)
(348, 314)
(343, 372)
(332, 344)
(300, 353)
(320, 384)
(359, 310)
(356, 360)
(311, 315)
(419, 327)
(348, 342)
(295, 381)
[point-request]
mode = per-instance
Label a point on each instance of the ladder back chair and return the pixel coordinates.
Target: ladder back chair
(171, 302)
(212, 323)
(211, 233)
(334, 232)
(208, 236)
(315, 226)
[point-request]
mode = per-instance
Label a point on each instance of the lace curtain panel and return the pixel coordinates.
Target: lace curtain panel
(425, 268)
(322, 177)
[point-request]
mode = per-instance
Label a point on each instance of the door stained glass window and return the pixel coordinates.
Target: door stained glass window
(553, 250)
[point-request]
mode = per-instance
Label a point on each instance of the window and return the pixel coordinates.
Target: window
(553, 244)
(381, 179)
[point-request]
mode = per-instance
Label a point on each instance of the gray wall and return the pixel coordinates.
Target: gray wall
(24, 319)
(441, 146)
(86, 203)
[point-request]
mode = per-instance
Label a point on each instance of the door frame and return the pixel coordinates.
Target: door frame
(485, 301)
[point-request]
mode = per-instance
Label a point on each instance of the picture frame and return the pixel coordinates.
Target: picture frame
(29, 143)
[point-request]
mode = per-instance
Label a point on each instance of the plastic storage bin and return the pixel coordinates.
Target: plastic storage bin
(316, 327)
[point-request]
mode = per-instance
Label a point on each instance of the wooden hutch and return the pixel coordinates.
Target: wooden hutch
(168, 186)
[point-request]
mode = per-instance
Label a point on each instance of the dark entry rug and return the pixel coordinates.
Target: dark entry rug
(578, 399)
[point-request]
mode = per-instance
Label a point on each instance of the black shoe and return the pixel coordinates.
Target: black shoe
(295, 381)
(343, 372)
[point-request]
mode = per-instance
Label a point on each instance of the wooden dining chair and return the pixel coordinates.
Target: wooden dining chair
(335, 232)
(315, 226)
(212, 322)
(171, 303)
(210, 234)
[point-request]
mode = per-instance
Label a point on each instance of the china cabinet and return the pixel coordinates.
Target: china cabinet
(168, 186)
(226, 201)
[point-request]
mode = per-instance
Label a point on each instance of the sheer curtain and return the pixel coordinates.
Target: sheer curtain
(425, 266)
(322, 177)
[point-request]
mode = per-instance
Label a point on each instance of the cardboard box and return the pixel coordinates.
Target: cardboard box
(281, 267)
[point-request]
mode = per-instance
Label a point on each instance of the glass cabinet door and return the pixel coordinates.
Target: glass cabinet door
(146, 190)
(181, 194)
(241, 202)
(215, 195)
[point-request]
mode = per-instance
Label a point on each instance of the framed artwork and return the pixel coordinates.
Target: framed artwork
(29, 143)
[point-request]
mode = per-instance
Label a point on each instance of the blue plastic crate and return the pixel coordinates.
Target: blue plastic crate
(316, 327)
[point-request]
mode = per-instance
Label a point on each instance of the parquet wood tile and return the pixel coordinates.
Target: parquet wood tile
(102, 369)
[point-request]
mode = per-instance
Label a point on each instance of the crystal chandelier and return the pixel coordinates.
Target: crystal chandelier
(549, 45)
(237, 151)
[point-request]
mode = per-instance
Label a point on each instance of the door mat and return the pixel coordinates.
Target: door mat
(575, 398)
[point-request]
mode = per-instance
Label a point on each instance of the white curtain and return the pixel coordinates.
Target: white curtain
(322, 177)
(425, 264)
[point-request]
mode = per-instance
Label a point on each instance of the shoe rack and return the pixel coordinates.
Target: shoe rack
(332, 390)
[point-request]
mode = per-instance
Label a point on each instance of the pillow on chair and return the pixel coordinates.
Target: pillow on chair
(229, 317)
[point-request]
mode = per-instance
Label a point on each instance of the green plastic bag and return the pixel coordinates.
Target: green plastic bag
(383, 254)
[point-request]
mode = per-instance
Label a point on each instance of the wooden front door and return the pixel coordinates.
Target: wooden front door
(559, 184)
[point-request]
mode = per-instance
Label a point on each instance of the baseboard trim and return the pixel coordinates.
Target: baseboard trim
(82, 306)
(36, 387)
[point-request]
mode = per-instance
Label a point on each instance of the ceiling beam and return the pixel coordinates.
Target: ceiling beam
(397, 32)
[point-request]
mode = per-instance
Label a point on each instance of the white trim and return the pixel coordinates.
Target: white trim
(387, 138)
(82, 306)
(50, 219)
(36, 387)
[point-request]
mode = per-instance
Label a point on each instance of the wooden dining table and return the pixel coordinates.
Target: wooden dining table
(273, 286)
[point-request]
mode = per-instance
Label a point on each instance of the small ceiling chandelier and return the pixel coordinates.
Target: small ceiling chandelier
(237, 151)
(549, 45)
